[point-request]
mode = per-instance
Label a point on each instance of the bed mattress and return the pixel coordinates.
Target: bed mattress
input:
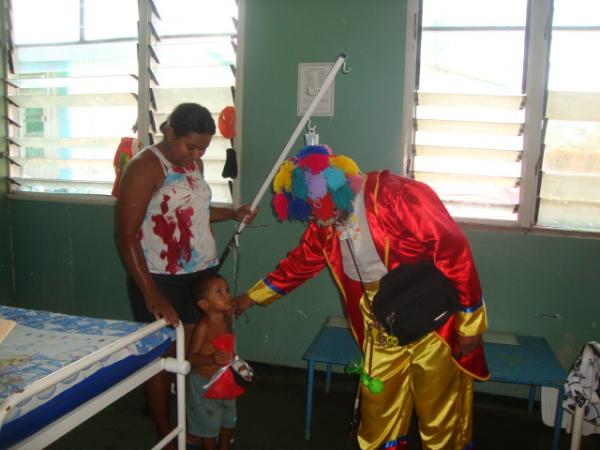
(43, 342)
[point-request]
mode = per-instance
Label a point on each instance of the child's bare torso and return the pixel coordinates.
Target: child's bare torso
(212, 328)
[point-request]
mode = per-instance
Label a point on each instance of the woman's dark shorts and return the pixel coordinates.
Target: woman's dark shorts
(177, 288)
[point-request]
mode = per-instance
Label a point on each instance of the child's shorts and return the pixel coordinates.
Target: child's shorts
(206, 416)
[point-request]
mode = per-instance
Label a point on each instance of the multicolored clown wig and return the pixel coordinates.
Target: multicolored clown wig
(316, 184)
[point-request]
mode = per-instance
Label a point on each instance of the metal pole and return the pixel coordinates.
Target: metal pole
(341, 59)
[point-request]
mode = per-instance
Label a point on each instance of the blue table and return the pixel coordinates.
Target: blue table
(333, 344)
(530, 362)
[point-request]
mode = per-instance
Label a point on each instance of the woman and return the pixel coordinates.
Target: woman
(163, 231)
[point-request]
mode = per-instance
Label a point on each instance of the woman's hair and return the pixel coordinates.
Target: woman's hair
(189, 118)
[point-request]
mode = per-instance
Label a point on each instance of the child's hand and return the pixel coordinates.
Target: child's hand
(222, 358)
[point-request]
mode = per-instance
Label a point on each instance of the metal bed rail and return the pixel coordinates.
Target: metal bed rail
(177, 365)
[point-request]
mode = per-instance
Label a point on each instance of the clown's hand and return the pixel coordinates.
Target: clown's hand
(242, 302)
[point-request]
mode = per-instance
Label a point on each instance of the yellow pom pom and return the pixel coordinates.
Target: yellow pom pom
(347, 165)
(283, 178)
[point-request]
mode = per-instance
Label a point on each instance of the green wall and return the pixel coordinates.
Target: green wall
(6, 285)
(365, 125)
(6, 288)
(65, 257)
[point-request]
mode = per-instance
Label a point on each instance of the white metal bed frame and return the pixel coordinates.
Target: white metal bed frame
(72, 419)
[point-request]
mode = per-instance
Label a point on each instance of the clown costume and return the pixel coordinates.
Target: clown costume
(384, 220)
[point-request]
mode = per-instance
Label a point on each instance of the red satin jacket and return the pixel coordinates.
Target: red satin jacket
(408, 223)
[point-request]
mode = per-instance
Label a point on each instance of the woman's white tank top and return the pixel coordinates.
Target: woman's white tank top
(176, 235)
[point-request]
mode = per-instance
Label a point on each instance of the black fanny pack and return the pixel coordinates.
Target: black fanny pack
(413, 300)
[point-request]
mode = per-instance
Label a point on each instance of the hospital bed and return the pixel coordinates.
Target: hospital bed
(56, 371)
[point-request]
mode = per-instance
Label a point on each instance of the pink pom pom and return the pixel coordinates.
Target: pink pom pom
(356, 182)
(316, 163)
(280, 205)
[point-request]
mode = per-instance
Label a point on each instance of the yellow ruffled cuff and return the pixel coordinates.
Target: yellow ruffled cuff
(470, 323)
(262, 294)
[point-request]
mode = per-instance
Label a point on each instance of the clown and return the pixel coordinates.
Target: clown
(361, 226)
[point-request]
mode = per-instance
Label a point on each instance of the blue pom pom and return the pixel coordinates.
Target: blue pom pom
(298, 209)
(335, 178)
(311, 150)
(299, 187)
(343, 197)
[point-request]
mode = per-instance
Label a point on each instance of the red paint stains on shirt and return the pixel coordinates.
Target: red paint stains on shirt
(184, 221)
(177, 252)
(191, 182)
(166, 230)
(164, 205)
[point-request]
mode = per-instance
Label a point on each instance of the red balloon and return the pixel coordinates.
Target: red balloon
(227, 122)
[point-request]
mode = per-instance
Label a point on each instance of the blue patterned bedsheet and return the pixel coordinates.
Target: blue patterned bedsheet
(43, 342)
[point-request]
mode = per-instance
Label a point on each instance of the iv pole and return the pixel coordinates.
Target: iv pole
(340, 62)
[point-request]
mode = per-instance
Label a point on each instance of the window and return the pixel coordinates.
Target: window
(80, 82)
(570, 185)
(502, 110)
(190, 66)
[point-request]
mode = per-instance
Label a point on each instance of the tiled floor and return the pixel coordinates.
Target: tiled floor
(271, 417)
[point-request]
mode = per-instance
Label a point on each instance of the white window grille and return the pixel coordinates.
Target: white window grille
(504, 105)
(569, 195)
(80, 82)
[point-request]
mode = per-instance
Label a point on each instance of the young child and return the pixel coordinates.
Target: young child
(211, 411)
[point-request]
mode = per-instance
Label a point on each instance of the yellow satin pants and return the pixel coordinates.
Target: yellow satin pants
(423, 376)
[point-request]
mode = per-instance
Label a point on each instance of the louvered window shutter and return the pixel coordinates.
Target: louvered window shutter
(468, 148)
(106, 69)
(194, 61)
(71, 93)
(469, 110)
(570, 182)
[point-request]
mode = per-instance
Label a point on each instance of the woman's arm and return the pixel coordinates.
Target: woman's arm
(244, 213)
(141, 178)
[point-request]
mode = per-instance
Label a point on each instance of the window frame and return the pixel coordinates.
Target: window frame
(538, 37)
(143, 121)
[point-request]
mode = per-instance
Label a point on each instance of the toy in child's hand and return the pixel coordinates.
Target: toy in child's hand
(231, 380)
(242, 372)
(374, 385)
